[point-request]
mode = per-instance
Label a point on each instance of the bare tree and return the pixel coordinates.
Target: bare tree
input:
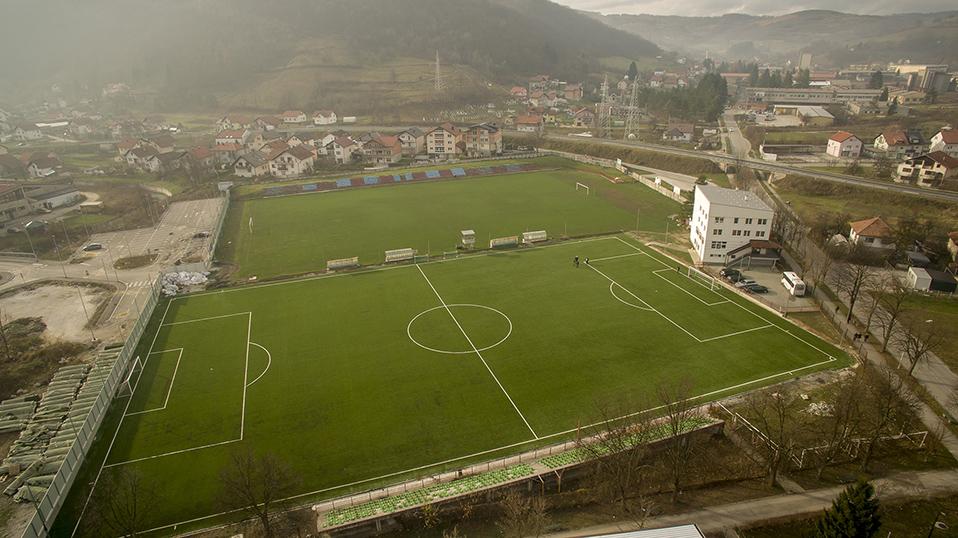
(774, 414)
(522, 516)
(854, 275)
(877, 289)
(678, 447)
(887, 403)
(821, 265)
(621, 468)
(256, 483)
(893, 303)
(844, 420)
(918, 340)
(122, 503)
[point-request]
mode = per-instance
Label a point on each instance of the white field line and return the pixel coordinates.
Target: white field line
(269, 362)
(619, 256)
(206, 319)
(683, 290)
(249, 332)
(109, 449)
(392, 267)
(630, 245)
(498, 449)
(738, 332)
(478, 353)
(666, 318)
(612, 286)
(168, 389)
(191, 449)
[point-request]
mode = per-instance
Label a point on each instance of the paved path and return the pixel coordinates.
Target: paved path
(746, 513)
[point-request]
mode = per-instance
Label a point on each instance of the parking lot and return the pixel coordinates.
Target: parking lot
(777, 297)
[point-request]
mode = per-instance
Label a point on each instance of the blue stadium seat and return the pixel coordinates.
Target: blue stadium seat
(370, 180)
(309, 187)
(432, 173)
(458, 172)
(343, 182)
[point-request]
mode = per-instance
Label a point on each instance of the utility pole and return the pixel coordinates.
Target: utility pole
(605, 111)
(439, 86)
(3, 335)
(59, 258)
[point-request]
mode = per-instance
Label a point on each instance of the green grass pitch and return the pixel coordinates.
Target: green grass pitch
(362, 379)
(298, 234)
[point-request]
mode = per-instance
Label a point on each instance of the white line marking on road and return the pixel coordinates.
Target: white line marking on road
(478, 353)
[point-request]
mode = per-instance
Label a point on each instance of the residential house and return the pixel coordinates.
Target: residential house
(383, 150)
(482, 140)
(321, 141)
(13, 202)
(868, 108)
(873, 233)
(42, 166)
(163, 143)
(82, 127)
(25, 132)
(572, 92)
(898, 143)
(679, 132)
(126, 145)
(413, 141)
(945, 141)
(167, 162)
(232, 136)
(54, 196)
(138, 155)
(233, 122)
(252, 164)
(259, 139)
(725, 220)
(268, 123)
(583, 117)
(201, 157)
(324, 117)
(444, 141)
(519, 92)
(844, 144)
(292, 162)
(929, 170)
(294, 117)
(342, 149)
(529, 124)
(226, 154)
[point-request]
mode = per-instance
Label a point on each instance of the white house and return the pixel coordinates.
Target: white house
(873, 232)
(724, 220)
(412, 140)
(27, 131)
(443, 141)
(324, 117)
(844, 144)
(529, 124)
(252, 164)
(232, 136)
(342, 149)
(294, 116)
(945, 141)
(292, 162)
(929, 170)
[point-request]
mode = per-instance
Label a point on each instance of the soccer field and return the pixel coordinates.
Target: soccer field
(361, 379)
(286, 235)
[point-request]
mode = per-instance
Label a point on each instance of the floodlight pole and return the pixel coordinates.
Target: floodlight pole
(59, 257)
(667, 219)
(86, 313)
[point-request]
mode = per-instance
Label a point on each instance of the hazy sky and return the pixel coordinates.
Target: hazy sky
(755, 7)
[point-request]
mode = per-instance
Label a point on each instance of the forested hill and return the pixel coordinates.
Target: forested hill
(217, 44)
(837, 38)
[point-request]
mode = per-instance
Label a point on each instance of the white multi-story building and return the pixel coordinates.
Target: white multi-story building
(726, 219)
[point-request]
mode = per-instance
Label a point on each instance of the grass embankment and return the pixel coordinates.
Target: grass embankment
(662, 161)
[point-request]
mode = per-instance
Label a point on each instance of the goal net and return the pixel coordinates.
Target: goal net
(583, 187)
(126, 387)
(700, 278)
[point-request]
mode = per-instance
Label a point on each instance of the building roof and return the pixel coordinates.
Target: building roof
(45, 192)
(344, 141)
(223, 148)
(529, 120)
(897, 136)
(485, 127)
(293, 113)
(814, 112)
(9, 187)
(323, 113)
(842, 136)
(873, 227)
(679, 531)
(45, 162)
(254, 158)
(939, 157)
(201, 152)
(301, 152)
(414, 131)
(11, 164)
(142, 152)
(231, 133)
(163, 140)
(949, 136)
(731, 197)
(269, 120)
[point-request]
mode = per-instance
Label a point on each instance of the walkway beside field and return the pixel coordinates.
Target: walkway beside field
(898, 486)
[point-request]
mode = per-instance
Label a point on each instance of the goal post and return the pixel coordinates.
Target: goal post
(583, 186)
(700, 278)
(126, 387)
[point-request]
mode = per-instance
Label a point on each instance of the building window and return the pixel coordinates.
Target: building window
(759, 234)
(717, 231)
(748, 221)
(762, 221)
(736, 232)
(735, 220)
(719, 220)
(719, 244)
(748, 233)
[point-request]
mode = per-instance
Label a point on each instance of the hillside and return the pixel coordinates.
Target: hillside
(263, 54)
(835, 38)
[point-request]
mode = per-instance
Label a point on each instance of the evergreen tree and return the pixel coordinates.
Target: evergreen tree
(633, 71)
(804, 77)
(788, 82)
(753, 75)
(765, 79)
(877, 81)
(776, 80)
(854, 514)
(893, 108)
(883, 96)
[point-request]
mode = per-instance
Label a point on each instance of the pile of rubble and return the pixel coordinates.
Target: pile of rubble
(172, 283)
(36, 456)
(16, 412)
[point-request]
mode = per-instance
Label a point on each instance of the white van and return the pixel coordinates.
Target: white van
(793, 284)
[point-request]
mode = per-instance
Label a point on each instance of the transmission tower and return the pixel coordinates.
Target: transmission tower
(604, 116)
(440, 85)
(632, 114)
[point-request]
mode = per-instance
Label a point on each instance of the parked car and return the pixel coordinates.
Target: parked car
(735, 278)
(756, 288)
(729, 272)
(745, 282)
(200, 235)
(93, 246)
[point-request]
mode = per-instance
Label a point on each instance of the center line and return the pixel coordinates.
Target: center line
(476, 350)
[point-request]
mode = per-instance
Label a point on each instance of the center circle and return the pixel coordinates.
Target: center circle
(467, 315)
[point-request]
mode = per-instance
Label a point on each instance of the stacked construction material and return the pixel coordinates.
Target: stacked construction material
(16, 412)
(38, 453)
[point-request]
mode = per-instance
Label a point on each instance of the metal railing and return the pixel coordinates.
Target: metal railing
(49, 506)
(218, 228)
